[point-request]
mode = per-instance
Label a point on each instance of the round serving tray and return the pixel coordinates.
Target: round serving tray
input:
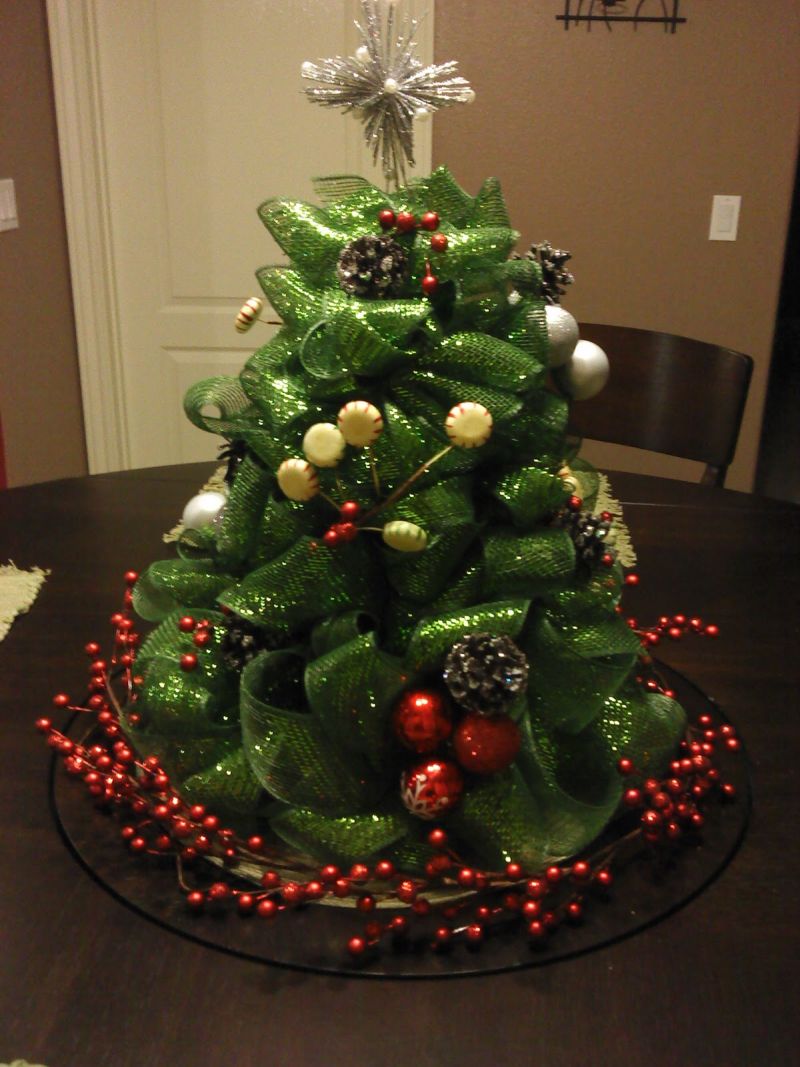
(646, 890)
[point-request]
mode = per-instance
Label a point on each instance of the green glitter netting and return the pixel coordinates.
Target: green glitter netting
(302, 738)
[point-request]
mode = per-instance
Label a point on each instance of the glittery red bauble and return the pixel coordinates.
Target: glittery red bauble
(485, 744)
(431, 788)
(422, 720)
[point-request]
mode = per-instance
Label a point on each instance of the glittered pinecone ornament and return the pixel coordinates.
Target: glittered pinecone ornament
(485, 673)
(372, 267)
(431, 788)
(241, 642)
(555, 276)
(591, 534)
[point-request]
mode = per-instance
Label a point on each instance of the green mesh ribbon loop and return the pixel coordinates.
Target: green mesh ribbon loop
(351, 691)
(289, 752)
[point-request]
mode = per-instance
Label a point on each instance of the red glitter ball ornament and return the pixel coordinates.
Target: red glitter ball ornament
(431, 788)
(422, 720)
(485, 744)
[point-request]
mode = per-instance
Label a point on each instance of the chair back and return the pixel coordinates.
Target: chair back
(667, 394)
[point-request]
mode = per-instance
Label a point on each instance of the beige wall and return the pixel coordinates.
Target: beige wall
(612, 145)
(40, 401)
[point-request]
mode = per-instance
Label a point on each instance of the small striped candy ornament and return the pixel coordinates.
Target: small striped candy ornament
(298, 479)
(360, 422)
(248, 313)
(404, 536)
(468, 425)
(323, 444)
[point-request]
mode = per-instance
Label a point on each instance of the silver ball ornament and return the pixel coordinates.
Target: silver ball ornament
(586, 372)
(203, 510)
(562, 334)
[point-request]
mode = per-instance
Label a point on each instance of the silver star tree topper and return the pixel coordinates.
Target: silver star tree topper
(387, 84)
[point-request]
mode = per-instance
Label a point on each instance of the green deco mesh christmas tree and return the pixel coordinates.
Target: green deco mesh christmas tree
(402, 613)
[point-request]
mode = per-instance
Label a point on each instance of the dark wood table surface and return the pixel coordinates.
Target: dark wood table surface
(87, 982)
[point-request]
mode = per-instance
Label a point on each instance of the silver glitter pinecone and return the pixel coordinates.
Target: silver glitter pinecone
(591, 535)
(372, 267)
(241, 642)
(485, 673)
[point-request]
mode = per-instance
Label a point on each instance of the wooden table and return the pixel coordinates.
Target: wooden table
(86, 982)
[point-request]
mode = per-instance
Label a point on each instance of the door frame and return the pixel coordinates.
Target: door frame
(84, 172)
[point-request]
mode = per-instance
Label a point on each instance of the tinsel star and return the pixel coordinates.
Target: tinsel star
(387, 84)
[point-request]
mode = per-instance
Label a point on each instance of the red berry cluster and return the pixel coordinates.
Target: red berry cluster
(406, 222)
(347, 529)
(674, 627)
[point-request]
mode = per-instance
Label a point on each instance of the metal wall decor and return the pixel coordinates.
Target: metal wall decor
(610, 11)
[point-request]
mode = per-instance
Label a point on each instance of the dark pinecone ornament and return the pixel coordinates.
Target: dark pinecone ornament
(485, 673)
(372, 267)
(241, 642)
(591, 535)
(555, 276)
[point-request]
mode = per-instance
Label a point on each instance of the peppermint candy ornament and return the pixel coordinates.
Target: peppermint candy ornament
(360, 423)
(298, 479)
(323, 444)
(468, 425)
(248, 313)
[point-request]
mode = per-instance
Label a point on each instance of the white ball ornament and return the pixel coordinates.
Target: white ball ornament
(390, 86)
(360, 422)
(362, 54)
(562, 333)
(323, 444)
(205, 509)
(468, 425)
(404, 536)
(307, 68)
(298, 479)
(248, 313)
(468, 96)
(585, 373)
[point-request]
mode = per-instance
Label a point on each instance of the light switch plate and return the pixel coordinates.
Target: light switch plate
(8, 205)
(724, 218)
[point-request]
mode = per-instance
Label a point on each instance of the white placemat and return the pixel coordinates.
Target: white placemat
(18, 590)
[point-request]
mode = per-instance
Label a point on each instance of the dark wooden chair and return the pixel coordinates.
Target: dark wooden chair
(667, 394)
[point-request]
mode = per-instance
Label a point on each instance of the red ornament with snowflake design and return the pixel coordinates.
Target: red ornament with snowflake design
(431, 788)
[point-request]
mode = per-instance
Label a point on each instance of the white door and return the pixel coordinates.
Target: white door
(177, 118)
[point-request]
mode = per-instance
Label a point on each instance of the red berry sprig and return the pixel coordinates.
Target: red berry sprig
(406, 222)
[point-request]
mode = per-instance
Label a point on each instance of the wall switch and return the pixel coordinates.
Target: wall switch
(8, 205)
(724, 218)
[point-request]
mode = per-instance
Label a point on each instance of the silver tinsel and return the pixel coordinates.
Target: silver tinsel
(387, 85)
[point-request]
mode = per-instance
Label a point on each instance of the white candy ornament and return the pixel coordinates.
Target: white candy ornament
(360, 422)
(248, 313)
(298, 479)
(468, 425)
(562, 333)
(404, 536)
(204, 509)
(586, 372)
(323, 444)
